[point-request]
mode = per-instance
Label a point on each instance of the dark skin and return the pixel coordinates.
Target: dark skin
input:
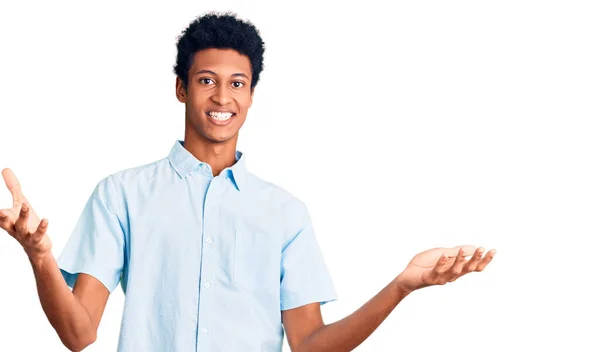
(307, 332)
(75, 315)
(219, 80)
(215, 88)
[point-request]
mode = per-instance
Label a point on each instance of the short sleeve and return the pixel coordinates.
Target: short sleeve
(305, 277)
(96, 246)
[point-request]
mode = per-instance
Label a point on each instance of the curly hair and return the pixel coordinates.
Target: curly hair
(219, 31)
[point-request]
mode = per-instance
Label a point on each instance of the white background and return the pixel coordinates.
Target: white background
(403, 128)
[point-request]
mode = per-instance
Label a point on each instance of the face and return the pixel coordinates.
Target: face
(218, 94)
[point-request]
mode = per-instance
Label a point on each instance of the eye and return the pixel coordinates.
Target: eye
(238, 84)
(205, 80)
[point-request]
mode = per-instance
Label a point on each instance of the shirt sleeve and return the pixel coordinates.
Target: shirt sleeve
(305, 277)
(96, 246)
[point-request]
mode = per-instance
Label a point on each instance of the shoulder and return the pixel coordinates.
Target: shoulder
(112, 188)
(276, 195)
(284, 206)
(135, 174)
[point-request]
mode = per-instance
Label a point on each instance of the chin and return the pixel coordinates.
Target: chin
(217, 139)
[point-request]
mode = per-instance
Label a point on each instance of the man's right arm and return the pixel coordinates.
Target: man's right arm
(75, 315)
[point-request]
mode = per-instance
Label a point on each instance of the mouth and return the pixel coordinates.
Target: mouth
(220, 118)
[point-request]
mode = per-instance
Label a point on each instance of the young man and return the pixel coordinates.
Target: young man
(210, 257)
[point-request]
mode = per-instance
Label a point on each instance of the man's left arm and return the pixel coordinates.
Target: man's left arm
(304, 325)
(306, 331)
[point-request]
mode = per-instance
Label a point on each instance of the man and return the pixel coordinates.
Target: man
(210, 257)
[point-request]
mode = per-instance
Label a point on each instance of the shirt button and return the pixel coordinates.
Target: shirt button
(209, 239)
(203, 331)
(207, 284)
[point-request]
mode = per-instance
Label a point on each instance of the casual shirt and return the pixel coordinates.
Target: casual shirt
(207, 263)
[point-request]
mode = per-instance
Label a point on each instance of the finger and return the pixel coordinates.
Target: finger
(7, 222)
(6, 214)
(440, 266)
(435, 275)
(21, 223)
(468, 250)
(486, 260)
(39, 234)
(472, 263)
(14, 186)
(457, 267)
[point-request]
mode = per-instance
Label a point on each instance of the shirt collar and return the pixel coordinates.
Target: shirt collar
(185, 163)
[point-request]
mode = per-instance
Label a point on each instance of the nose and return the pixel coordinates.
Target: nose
(222, 95)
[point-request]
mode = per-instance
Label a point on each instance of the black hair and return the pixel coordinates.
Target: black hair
(220, 31)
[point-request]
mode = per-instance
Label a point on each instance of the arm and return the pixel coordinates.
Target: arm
(74, 315)
(307, 332)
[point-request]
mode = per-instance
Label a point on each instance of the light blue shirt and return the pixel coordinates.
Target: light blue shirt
(206, 263)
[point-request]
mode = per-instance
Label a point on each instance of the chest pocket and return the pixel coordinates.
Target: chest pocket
(256, 260)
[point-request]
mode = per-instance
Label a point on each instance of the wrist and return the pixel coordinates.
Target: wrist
(38, 260)
(402, 285)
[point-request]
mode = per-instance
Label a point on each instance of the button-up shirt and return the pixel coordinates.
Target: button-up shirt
(207, 263)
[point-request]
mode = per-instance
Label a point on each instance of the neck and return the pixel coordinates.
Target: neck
(218, 155)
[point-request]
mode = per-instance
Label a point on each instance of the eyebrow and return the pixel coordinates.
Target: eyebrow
(213, 73)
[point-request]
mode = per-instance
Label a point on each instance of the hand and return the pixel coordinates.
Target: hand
(439, 266)
(22, 223)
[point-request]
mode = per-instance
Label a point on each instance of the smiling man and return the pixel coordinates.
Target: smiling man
(210, 257)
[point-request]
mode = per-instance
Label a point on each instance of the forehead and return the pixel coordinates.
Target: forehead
(221, 61)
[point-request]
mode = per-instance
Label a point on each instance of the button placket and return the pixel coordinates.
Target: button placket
(210, 229)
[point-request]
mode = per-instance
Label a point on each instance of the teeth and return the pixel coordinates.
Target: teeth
(220, 116)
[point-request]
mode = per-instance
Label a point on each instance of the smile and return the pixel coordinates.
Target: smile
(220, 118)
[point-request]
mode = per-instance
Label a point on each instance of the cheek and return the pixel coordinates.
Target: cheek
(244, 102)
(196, 96)
(197, 106)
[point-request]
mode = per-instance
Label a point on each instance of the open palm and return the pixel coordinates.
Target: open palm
(439, 266)
(21, 221)
(13, 185)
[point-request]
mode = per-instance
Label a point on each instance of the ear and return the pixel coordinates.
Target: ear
(180, 91)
